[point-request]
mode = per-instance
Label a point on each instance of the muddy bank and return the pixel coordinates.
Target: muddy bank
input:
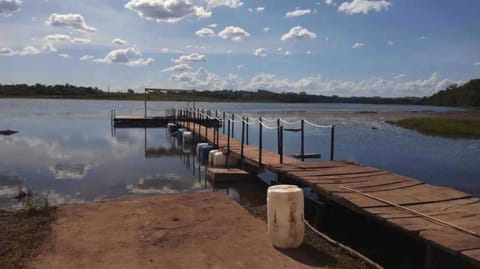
(199, 230)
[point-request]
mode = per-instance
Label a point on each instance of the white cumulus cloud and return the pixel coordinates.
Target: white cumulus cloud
(224, 3)
(266, 29)
(74, 21)
(194, 57)
(8, 7)
(260, 52)
(213, 25)
(363, 6)
(178, 68)
(297, 33)
(358, 45)
(120, 42)
(64, 55)
(234, 33)
(260, 9)
(374, 86)
(58, 37)
(166, 10)
(80, 40)
(28, 50)
(86, 58)
(63, 37)
(297, 13)
(205, 80)
(130, 56)
(205, 32)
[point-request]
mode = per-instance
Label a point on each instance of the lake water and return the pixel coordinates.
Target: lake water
(65, 148)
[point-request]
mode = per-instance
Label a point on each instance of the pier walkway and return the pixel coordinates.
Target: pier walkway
(443, 218)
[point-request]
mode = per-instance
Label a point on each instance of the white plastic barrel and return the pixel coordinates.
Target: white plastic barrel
(199, 145)
(219, 159)
(210, 156)
(285, 216)
(187, 137)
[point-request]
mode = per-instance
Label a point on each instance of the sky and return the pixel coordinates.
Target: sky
(390, 48)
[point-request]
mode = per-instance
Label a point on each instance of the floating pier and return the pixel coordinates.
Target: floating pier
(218, 175)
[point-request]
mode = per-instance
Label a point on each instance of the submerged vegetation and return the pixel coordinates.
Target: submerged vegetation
(457, 128)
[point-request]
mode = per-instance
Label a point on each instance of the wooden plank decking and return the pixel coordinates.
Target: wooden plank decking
(459, 209)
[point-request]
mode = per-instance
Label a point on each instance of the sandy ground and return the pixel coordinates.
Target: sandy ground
(200, 230)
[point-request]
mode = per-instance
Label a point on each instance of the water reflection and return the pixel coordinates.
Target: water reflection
(163, 183)
(70, 171)
(66, 148)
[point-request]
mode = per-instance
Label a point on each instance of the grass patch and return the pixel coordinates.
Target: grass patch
(456, 128)
(21, 232)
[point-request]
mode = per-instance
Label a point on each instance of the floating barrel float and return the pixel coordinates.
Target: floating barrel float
(285, 216)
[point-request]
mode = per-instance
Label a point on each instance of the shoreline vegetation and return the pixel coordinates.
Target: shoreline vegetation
(68, 91)
(22, 232)
(444, 127)
(467, 95)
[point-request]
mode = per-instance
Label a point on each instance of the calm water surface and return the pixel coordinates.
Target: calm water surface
(65, 148)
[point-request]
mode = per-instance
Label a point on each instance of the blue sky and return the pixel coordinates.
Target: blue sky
(342, 47)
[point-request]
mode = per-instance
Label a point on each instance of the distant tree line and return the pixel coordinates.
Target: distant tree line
(302, 97)
(19, 90)
(465, 95)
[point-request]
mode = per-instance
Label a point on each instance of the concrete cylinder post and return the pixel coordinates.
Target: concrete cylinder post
(285, 211)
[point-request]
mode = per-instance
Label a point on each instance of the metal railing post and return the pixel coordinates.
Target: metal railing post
(228, 145)
(281, 144)
(278, 136)
(223, 123)
(243, 137)
(260, 142)
(233, 125)
(302, 141)
(247, 129)
(206, 129)
(332, 142)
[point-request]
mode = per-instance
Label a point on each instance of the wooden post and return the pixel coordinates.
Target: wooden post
(332, 142)
(302, 141)
(260, 142)
(243, 137)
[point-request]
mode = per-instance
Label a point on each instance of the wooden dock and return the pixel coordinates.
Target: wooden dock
(441, 217)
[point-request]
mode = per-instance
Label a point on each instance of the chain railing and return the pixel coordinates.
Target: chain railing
(227, 122)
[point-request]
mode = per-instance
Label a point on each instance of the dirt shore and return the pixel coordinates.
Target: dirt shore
(199, 230)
